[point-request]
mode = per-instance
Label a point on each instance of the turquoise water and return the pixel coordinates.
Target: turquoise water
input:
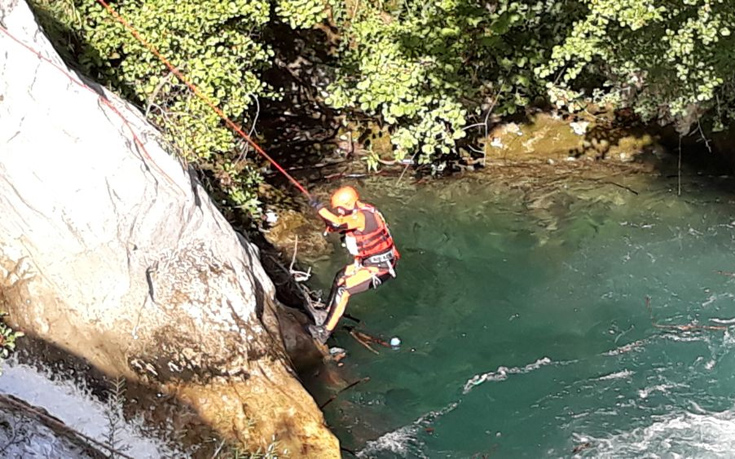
(525, 331)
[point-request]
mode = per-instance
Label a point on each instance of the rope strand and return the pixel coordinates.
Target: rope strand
(100, 97)
(199, 94)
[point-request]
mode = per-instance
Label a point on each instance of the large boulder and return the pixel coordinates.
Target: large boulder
(111, 252)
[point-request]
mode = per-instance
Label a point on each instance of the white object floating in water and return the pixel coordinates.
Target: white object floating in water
(395, 341)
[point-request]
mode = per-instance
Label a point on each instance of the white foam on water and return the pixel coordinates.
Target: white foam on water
(631, 347)
(502, 373)
(404, 441)
(625, 374)
(715, 297)
(702, 435)
(685, 337)
(400, 442)
(80, 410)
(723, 321)
(663, 388)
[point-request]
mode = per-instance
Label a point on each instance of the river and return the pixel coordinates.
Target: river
(525, 328)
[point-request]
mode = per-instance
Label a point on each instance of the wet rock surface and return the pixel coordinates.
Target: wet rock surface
(23, 427)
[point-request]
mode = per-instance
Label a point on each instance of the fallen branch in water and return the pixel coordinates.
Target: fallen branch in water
(343, 175)
(351, 317)
(410, 162)
(364, 343)
(348, 387)
(367, 337)
(687, 327)
(299, 276)
(310, 166)
(312, 306)
(622, 186)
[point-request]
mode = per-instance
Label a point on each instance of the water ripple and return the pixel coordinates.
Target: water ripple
(502, 373)
(404, 441)
(680, 435)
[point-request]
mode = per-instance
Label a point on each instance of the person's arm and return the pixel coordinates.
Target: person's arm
(338, 223)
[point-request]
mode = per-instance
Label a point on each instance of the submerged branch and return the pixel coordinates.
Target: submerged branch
(622, 186)
(364, 343)
(348, 387)
(367, 337)
(726, 273)
(687, 327)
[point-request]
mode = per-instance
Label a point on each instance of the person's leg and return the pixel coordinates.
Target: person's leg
(320, 313)
(339, 280)
(337, 303)
(355, 282)
(351, 280)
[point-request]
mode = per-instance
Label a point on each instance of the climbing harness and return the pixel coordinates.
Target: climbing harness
(384, 258)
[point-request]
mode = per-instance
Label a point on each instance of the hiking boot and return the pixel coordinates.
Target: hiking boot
(319, 333)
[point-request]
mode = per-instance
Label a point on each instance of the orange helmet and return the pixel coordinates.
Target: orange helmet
(345, 197)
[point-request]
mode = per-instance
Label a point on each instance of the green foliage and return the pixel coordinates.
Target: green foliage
(428, 71)
(426, 67)
(217, 45)
(269, 452)
(301, 14)
(7, 337)
(665, 59)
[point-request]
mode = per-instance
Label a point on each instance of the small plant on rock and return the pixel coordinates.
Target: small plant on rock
(7, 337)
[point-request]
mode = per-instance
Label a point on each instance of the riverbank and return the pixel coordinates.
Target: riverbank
(533, 159)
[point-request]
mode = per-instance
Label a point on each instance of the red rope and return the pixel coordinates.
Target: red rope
(102, 99)
(199, 94)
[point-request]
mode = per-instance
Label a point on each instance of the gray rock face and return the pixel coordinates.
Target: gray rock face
(109, 250)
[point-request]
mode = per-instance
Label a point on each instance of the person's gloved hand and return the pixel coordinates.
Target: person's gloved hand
(315, 202)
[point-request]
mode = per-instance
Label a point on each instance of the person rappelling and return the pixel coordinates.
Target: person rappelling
(365, 232)
(368, 239)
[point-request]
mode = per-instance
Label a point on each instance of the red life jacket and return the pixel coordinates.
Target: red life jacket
(375, 239)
